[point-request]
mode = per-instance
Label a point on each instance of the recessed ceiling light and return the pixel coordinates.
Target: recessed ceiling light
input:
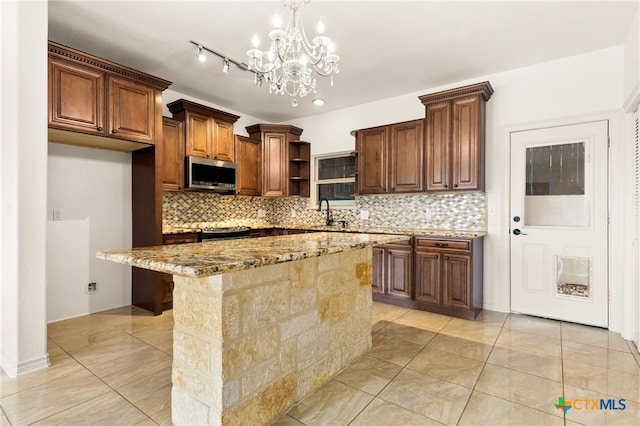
(318, 102)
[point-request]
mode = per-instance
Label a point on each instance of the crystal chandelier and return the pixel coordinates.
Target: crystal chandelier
(292, 62)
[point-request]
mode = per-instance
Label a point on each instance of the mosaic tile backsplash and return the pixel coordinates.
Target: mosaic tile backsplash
(451, 211)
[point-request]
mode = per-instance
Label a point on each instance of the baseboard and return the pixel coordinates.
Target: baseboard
(494, 307)
(13, 369)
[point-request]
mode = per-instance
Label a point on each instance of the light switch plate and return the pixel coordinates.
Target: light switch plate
(364, 214)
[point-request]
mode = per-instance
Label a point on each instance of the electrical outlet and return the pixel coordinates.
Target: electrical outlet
(364, 214)
(91, 288)
(427, 215)
(57, 214)
(262, 213)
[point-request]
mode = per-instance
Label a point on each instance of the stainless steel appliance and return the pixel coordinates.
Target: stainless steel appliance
(210, 234)
(213, 175)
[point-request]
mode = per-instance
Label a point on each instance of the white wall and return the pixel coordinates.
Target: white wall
(632, 59)
(91, 188)
(23, 128)
(566, 88)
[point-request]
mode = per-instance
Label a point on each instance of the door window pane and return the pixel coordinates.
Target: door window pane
(555, 185)
(555, 170)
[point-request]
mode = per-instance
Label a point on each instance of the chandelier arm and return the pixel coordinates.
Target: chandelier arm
(328, 73)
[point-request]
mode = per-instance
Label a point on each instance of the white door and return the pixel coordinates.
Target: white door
(559, 223)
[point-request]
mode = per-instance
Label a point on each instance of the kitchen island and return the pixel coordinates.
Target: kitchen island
(260, 323)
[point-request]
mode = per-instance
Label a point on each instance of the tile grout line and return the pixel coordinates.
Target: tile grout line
(484, 365)
(100, 378)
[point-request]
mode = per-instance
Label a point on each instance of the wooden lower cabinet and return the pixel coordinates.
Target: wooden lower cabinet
(165, 291)
(439, 275)
(393, 271)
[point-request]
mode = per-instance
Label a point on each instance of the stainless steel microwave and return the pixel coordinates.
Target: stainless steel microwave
(213, 175)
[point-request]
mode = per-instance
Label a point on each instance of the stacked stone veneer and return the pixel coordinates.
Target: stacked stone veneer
(459, 211)
(249, 344)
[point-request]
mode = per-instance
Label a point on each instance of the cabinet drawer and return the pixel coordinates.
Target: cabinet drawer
(189, 237)
(399, 244)
(431, 243)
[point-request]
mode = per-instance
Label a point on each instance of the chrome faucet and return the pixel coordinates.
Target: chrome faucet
(329, 219)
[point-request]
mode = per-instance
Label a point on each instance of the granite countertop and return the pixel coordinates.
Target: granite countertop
(216, 257)
(448, 233)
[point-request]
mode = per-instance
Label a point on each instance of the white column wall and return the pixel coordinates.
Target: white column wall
(23, 161)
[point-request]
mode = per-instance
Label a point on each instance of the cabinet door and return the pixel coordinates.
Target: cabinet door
(399, 273)
(167, 291)
(222, 142)
(274, 164)
(131, 110)
(456, 281)
(466, 143)
(76, 98)
(379, 270)
(371, 145)
(438, 134)
(198, 134)
(248, 165)
(427, 277)
(172, 169)
(406, 157)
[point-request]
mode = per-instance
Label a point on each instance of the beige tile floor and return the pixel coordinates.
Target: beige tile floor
(114, 368)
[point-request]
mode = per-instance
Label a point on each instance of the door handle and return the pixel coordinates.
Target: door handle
(518, 232)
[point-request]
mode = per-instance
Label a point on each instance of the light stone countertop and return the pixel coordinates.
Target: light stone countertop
(447, 233)
(216, 257)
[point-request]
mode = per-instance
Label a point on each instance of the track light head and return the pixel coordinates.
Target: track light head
(200, 55)
(225, 66)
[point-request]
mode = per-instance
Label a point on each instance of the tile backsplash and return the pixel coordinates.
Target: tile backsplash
(452, 211)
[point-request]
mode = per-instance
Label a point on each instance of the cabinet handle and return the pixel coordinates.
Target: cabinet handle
(446, 257)
(435, 256)
(455, 185)
(99, 128)
(114, 131)
(442, 244)
(446, 186)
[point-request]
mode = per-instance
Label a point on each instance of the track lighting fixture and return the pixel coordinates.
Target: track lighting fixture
(225, 65)
(200, 55)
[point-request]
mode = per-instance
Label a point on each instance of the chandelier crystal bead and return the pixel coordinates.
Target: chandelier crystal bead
(291, 63)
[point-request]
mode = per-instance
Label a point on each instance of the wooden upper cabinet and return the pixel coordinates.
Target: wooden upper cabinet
(223, 149)
(198, 134)
(467, 143)
(208, 131)
(249, 166)
(92, 96)
(172, 169)
(274, 149)
(131, 110)
(372, 149)
(284, 158)
(391, 158)
(76, 97)
(455, 121)
(438, 116)
(406, 156)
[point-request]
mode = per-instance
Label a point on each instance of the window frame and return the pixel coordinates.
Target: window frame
(340, 204)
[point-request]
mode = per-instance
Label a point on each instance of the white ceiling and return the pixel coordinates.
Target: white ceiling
(387, 48)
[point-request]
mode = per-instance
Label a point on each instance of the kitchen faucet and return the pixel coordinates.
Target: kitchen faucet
(329, 219)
